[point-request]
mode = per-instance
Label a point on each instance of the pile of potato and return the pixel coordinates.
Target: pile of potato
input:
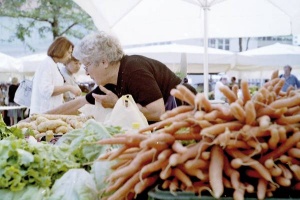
(46, 124)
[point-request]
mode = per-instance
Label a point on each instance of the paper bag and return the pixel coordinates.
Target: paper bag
(125, 113)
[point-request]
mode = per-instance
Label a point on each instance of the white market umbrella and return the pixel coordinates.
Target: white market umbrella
(187, 58)
(261, 62)
(149, 21)
(269, 57)
(31, 62)
(9, 64)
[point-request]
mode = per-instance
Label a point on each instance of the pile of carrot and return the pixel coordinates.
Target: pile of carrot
(249, 146)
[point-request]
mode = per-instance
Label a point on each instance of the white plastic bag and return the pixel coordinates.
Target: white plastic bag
(23, 93)
(99, 113)
(125, 113)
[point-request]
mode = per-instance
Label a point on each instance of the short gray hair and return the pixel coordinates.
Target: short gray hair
(97, 46)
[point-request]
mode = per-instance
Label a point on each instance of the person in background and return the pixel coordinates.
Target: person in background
(147, 80)
(290, 79)
(218, 94)
(232, 82)
(71, 67)
(48, 82)
(15, 113)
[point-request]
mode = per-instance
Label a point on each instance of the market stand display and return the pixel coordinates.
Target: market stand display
(246, 149)
(249, 147)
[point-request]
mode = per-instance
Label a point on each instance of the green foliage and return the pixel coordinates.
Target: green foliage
(55, 17)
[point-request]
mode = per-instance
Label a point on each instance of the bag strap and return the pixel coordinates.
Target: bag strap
(61, 73)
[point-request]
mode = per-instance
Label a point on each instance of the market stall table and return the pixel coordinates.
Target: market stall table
(2, 108)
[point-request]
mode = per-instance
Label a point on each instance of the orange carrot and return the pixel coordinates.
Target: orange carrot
(238, 111)
(188, 95)
(284, 147)
(245, 91)
(180, 175)
(229, 94)
(261, 188)
(250, 112)
(176, 111)
(147, 182)
(220, 128)
(216, 171)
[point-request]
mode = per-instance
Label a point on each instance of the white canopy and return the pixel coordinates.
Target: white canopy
(9, 64)
(32, 62)
(172, 55)
(148, 21)
(261, 62)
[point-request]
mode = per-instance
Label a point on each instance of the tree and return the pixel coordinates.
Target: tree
(57, 17)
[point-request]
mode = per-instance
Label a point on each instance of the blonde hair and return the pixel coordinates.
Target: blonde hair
(14, 80)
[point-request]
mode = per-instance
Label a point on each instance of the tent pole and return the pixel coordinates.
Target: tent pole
(205, 56)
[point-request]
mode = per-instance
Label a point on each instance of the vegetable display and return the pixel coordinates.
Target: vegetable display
(248, 147)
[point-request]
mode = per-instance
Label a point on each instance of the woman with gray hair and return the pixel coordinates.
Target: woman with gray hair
(147, 80)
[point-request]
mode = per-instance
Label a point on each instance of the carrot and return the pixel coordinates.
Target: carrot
(238, 111)
(239, 193)
(220, 128)
(278, 86)
(274, 74)
(180, 175)
(284, 147)
(294, 152)
(288, 120)
(228, 93)
(141, 159)
(212, 115)
(296, 171)
(176, 111)
(174, 186)
(292, 110)
(193, 172)
(164, 154)
(165, 173)
(207, 106)
(188, 95)
(166, 184)
(199, 115)
(288, 160)
(188, 136)
(235, 90)
(216, 171)
(264, 121)
(125, 188)
(175, 126)
(232, 173)
(117, 152)
(117, 184)
(120, 164)
(147, 182)
(282, 134)
(283, 181)
(296, 186)
(224, 111)
(250, 112)
(178, 147)
(258, 100)
(245, 91)
(166, 122)
(285, 171)
(261, 188)
(286, 102)
(196, 164)
(151, 168)
(254, 164)
(274, 139)
(155, 139)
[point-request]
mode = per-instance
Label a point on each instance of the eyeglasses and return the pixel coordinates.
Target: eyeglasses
(87, 65)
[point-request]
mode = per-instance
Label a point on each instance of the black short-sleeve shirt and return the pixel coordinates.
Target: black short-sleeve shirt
(146, 79)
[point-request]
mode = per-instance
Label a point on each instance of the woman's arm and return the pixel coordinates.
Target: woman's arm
(69, 108)
(153, 110)
(66, 88)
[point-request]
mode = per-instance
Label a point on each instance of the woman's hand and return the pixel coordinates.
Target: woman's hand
(108, 100)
